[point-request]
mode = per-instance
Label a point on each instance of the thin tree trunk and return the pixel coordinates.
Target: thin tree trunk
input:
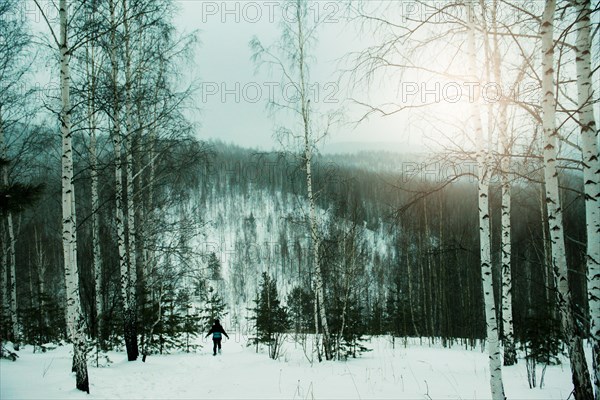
(422, 289)
(75, 320)
(96, 251)
(320, 297)
(3, 272)
(410, 293)
(496, 384)
(42, 288)
(510, 353)
(348, 274)
(305, 104)
(429, 303)
(129, 330)
(148, 255)
(591, 175)
(9, 259)
(147, 211)
(131, 246)
(41, 265)
(316, 318)
(12, 275)
(580, 375)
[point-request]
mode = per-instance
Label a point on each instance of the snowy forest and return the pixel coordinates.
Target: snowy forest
(127, 229)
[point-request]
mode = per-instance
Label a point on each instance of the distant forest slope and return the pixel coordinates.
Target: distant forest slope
(400, 242)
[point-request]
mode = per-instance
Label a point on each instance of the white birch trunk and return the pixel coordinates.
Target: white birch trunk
(580, 375)
(131, 246)
(510, 354)
(147, 219)
(131, 233)
(75, 323)
(151, 143)
(41, 266)
(4, 274)
(316, 318)
(320, 293)
(305, 111)
(96, 251)
(483, 170)
(9, 260)
(119, 217)
(148, 261)
(591, 175)
(12, 274)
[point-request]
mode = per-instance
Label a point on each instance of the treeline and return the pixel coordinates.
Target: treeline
(413, 273)
(40, 288)
(401, 250)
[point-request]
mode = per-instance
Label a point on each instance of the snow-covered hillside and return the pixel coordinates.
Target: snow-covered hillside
(254, 225)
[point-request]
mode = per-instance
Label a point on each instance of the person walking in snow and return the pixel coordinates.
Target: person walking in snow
(217, 332)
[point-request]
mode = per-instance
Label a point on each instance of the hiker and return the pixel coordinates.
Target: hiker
(217, 332)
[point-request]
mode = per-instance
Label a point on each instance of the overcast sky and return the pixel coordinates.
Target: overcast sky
(233, 96)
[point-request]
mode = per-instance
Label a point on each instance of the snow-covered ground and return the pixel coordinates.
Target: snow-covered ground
(411, 372)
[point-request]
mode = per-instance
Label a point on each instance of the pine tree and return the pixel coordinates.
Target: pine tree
(179, 323)
(300, 309)
(214, 308)
(270, 318)
(214, 267)
(354, 327)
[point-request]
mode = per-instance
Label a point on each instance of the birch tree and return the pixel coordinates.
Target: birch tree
(296, 38)
(129, 133)
(131, 317)
(92, 70)
(300, 39)
(129, 327)
(143, 51)
(483, 176)
(591, 174)
(510, 354)
(11, 262)
(74, 317)
(579, 369)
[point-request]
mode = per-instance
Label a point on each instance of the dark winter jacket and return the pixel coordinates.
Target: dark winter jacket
(216, 331)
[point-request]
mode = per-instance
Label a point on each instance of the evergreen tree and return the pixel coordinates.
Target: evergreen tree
(394, 315)
(179, 323)
(376, 325)
(350, 329)
(300, 309)
(43, 321)
(214, 308)
(17, 196)
(214, 267)
(352, 338)
(270, 318)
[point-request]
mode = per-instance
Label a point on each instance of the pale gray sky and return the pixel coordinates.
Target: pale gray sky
(234, 97)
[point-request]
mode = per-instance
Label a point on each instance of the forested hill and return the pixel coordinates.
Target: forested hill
(399, 251)
(409, 249)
